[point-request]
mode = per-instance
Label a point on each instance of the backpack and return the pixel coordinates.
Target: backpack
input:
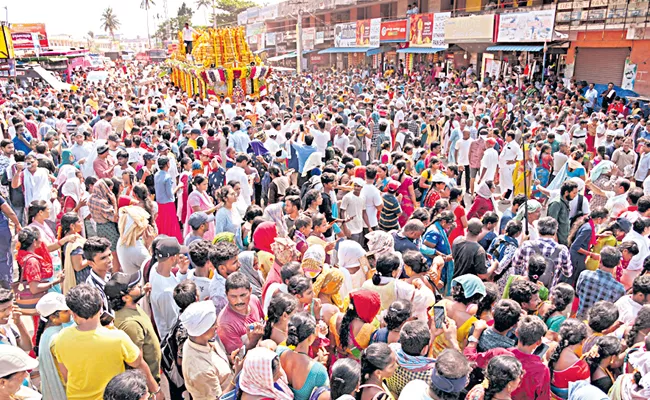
(309, 185)
(549, 271)
(169, 351)
(499, 246)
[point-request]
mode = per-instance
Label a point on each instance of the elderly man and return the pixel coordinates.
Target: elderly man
(206, 366)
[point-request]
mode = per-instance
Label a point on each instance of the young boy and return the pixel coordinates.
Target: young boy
(303, 227)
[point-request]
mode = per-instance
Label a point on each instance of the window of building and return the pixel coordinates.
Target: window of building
(388, 10)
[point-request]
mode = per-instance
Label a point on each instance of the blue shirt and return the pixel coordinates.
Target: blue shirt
(239, 140)
(303, 152)
(20, 145)
(163, 184)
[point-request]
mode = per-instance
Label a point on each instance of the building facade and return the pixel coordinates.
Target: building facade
(597, 41)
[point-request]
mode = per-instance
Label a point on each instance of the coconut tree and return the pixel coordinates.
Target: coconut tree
(205, 4)
(146, 5)
(110, 23)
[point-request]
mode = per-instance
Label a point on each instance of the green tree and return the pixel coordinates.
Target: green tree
(229, 10)
(146, 5)
(184, 15)
(110, 23)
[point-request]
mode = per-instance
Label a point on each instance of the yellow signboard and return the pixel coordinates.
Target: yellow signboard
(6, 44)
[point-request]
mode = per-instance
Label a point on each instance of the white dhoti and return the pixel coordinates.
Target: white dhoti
(505, 177)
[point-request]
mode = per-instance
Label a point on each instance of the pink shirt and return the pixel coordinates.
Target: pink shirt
(232, 325)
(102, 129)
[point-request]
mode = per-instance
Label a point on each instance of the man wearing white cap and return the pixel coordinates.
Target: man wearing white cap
(14, 367)
(206, 365)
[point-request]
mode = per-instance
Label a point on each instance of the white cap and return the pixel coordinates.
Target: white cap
(15, 360)
(199, 317)
(51, 303)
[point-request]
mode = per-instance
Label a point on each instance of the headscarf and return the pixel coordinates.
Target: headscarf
(264, 235)
(284, 249)
(314, 161)
(380, 242)
(329, 282)
(256, 376)
(532, 205)
(247, 259)
(133, 222)
(99, 204)
(313, 261)
(72, 188)
(349, 253)
(603, 168)
(367, 304)
(66, 159)
(257, 148)
(275, 213)
(484, 191)
(224, 237)
(66, 172)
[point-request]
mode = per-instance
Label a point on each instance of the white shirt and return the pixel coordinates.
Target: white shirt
(341, 142)
(202, 285)
(239, 174)
(187, 34)
(636, 263)
(628, 309)
(163, 306)
(463, 151)
(373, 200)
(559, 159)
(320, 139)
(489, 162)
(353, 207)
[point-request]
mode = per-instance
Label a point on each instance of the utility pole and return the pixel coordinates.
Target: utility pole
(299, 43)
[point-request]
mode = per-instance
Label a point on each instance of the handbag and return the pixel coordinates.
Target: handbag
(25, 299)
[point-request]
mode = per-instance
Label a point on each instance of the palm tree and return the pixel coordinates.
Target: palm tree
(203, 4)
(146, 4)
(110, 23)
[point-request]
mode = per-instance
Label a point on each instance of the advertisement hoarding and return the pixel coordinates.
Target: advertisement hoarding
(23, 38)
(439, 22)
(368, 31)
(421, 30)
(532, 26)
(394, 31)
(345, 35)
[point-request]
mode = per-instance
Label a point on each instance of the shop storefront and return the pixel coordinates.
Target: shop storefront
(473, 34)
(392, 35)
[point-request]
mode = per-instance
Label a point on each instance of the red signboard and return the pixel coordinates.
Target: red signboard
(23, 35)
(318, 59)
(394, 30)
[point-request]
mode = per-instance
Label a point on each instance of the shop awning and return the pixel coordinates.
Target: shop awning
(510, 47)
(335, 50)
(282, 57)
(377, 50)
(289, 55)
(421, 50)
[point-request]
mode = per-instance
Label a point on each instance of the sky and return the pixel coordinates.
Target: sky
(77, 17)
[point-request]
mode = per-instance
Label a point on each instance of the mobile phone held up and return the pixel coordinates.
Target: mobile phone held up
(439, 316)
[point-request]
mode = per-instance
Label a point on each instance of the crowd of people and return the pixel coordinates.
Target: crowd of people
(345, 235)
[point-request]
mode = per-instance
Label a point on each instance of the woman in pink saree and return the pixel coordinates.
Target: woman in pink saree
(199, 200)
